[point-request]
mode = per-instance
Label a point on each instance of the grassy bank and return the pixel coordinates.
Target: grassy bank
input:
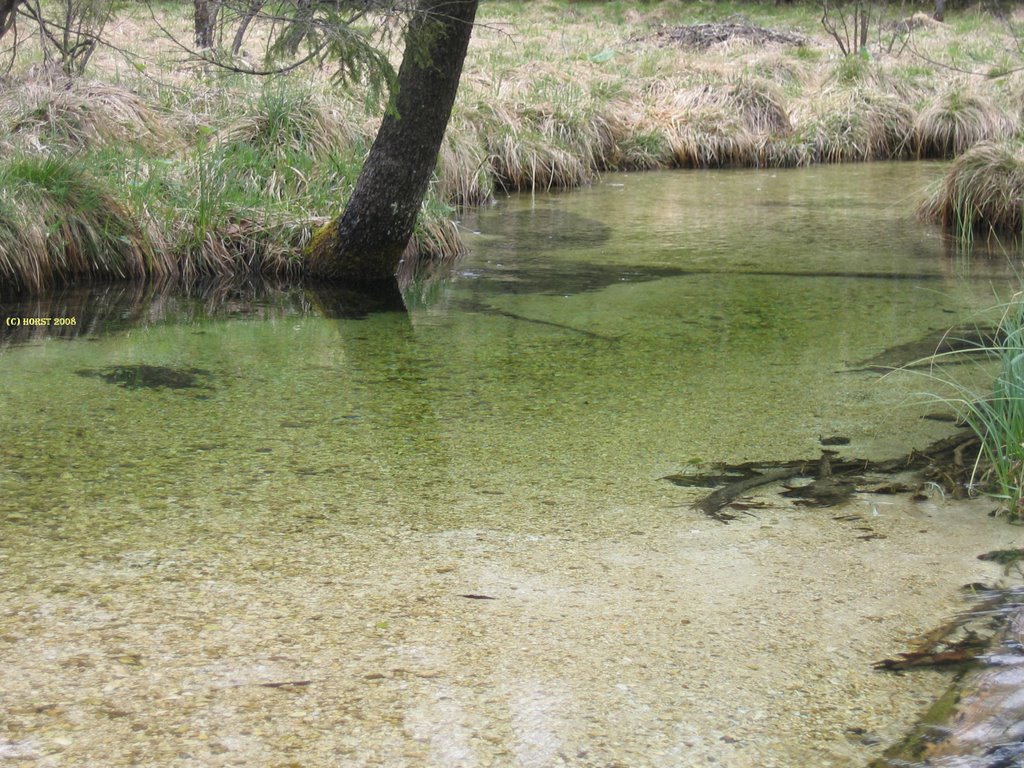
(986, 393)
(164, 168)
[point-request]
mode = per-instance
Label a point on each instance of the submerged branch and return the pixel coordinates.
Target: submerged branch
(980, 719)
(835, 478)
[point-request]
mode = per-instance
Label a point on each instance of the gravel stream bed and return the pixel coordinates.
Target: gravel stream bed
(687, 643)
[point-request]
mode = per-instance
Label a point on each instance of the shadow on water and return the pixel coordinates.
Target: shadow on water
(518, 240)
(339, 302)
(569, 278)
(564, 278)
(149, 376)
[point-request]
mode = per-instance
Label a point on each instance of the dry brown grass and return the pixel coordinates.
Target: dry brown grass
(983, 191)
(705, 137)
(303, 121)
(552, 95)
(533, 148)
(854, 126)
(46, 111)
(463, 173)
(58, 224)
(958, 119)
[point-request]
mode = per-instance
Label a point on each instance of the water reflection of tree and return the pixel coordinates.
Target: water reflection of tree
(396, 384)
(109, 308)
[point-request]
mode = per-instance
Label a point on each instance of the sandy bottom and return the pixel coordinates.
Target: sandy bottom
(689, 644)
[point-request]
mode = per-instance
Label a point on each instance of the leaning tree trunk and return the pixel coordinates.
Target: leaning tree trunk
(365, 244)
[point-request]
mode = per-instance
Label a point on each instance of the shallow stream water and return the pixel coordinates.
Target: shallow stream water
(235, 531)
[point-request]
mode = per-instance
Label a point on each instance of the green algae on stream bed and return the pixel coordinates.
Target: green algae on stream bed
(309, 517)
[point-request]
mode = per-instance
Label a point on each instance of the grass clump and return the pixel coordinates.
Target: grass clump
(982, 192)
(640, 145)
(956, 121)
(996, 415)
(714, 124)
(50, 111)
(540, 145)
(854, 126)
(292, 120)
(761, 106)
(710, 137)
(58, 223)
(463, 174)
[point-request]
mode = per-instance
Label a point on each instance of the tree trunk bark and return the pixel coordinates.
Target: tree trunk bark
(7, 10)
(243, 26)
(365, 244)
(205, 19)
(865, 18)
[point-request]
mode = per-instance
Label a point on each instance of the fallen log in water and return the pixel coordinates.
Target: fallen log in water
(947, 462)
(712, 504)
(979, 722)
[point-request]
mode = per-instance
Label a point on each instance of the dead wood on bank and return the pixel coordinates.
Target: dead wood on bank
(703, 36)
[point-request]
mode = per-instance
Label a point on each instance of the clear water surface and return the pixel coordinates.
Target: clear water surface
(593, 342)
